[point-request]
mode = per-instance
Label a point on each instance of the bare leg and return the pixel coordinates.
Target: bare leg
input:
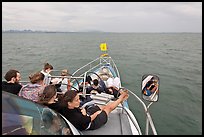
(112, 105)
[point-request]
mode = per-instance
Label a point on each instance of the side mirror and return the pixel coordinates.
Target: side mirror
(150, 87)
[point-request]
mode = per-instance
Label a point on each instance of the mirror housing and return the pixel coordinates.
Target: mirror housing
(150, 87)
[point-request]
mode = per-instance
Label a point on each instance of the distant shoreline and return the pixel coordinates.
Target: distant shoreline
(11, 31)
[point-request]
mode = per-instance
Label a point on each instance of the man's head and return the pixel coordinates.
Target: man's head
(13, 76)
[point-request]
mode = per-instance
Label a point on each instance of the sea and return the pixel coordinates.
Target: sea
(175, 57)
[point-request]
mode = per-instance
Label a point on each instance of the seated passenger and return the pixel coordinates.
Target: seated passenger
(104, 74)
(49, 98)
(88, 119)
(88, 83)
(94, 88)
(63, 84)
(33, 89)
(65, 81)
(150, 88)
(113, 85)
(46, 71)
(12, 82)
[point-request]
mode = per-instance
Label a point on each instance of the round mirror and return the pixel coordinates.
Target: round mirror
(150, 87)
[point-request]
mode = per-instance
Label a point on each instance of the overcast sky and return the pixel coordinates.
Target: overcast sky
(103, 16)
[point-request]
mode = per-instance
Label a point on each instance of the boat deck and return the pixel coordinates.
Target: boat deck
(117, 124)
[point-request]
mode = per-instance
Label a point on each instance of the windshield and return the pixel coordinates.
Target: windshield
(24, 117)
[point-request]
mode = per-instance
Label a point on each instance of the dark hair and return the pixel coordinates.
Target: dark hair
(149, 83)
(68, 97)
(95, 82)
(48, 92)
(37, 77)
(47, 66)
(151, 87)
(88, 79)
(10, 74)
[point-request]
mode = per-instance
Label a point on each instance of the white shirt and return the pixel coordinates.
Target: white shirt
(110, 82)
(64, 84)
(116, 82)
(47, 77)
(113, 82)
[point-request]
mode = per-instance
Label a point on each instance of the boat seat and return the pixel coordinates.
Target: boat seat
(117, 124)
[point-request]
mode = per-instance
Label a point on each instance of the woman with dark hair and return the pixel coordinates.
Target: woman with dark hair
(85, 118)
(49, 98)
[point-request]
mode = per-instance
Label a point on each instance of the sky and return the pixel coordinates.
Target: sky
(103, 16)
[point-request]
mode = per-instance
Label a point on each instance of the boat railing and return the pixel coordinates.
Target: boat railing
(89, 64)
(24, 82)
(98, 62)
(148, 116)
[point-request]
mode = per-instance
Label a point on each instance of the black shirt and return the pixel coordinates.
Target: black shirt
(55, 106)
(75, 116)
(11, 87)
(98, 89)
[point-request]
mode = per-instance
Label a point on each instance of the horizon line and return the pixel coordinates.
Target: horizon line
(98, 31)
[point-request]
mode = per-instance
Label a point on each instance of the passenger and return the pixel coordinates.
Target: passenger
(65, 81)
(113, 85)
(95, 87)
(49, 98)
(104, 74)
(150, 88)
(116, 82)
(103, 86)
(63, 84)
(33, 89)
(12, 82)
(52, 123)
(89, 80)
(46, 71)
(88, 119)
(88, 83)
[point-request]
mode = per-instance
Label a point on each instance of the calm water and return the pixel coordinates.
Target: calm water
(175, 58)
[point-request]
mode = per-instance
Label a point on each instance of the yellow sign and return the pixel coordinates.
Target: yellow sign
(103, 47)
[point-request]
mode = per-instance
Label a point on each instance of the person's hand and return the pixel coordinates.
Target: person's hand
(83, 111)
(110, 90)
(65, 131)
(94, 92)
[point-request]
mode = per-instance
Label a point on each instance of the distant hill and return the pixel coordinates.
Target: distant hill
(41, 31)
